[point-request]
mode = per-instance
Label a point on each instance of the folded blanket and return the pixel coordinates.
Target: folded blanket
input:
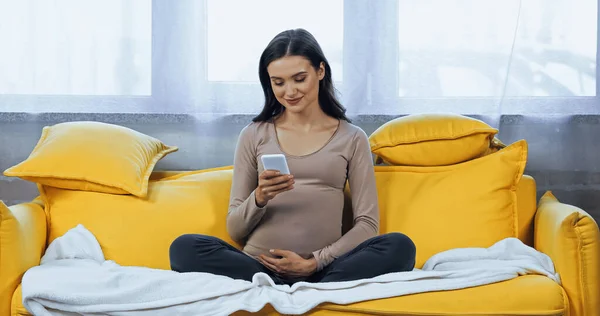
(74, 277)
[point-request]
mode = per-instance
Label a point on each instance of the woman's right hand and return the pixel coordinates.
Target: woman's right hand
(271, 183)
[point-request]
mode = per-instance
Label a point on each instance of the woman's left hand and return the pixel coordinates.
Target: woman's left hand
(290, 263)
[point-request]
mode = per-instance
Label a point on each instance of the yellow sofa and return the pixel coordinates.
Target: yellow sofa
(448, 184)
(567, 234)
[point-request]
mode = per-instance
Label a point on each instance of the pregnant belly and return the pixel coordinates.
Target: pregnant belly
(302, 226)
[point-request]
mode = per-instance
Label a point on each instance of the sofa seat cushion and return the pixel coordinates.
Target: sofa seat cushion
(530, 295)
(526, 295)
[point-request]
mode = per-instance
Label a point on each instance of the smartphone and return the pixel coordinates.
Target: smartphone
(275, 162)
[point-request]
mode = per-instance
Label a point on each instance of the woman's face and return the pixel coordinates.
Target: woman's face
(295, 82)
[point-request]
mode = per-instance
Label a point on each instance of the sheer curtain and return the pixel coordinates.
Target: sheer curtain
(388, 57)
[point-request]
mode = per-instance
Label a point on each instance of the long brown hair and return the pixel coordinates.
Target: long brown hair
(297, 42)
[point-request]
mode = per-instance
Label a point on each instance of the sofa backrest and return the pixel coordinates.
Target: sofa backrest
(526, 204)
(132, 231)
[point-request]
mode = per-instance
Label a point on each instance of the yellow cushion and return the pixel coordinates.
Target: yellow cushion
(133, 231)
(92, 156)
(431, 140)
(527, 205)
(22, 242)
(473, 204)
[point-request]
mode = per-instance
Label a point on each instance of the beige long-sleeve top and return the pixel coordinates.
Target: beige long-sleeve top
(307, 219)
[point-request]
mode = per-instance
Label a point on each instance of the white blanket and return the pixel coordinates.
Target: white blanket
(74, 277)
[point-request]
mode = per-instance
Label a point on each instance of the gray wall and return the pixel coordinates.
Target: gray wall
(564, 152)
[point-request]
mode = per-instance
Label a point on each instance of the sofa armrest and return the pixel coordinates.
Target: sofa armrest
(22, 244)
(571, 238)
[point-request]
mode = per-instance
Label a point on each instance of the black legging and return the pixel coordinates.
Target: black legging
(393, 252)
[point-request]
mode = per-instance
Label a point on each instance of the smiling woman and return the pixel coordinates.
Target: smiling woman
(290, 225)
(293, 67)
(290, 89)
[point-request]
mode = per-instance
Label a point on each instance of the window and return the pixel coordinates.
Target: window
(449, 49)
(72, 47)
(387, 57)
(237, 37)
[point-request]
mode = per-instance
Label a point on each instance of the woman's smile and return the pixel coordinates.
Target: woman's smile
(293, 101)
